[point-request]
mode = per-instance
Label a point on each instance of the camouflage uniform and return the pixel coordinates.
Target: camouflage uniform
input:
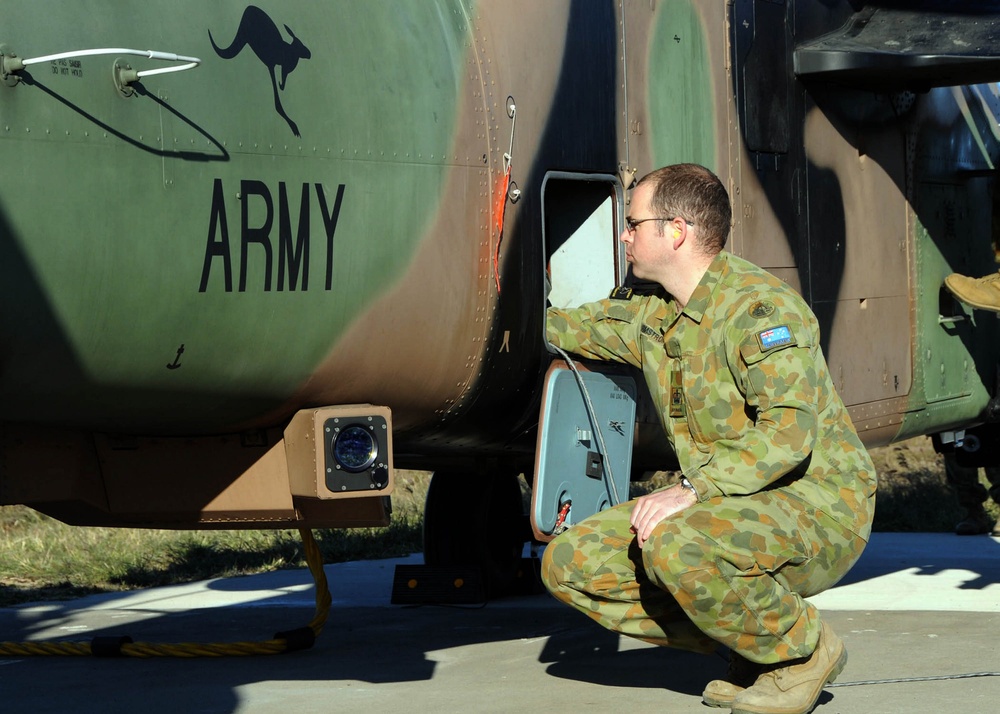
(786, 490)
(965, 480)
(972, 494)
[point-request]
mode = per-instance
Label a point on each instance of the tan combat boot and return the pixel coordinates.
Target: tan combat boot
(740, 675)
(795, 687)
(983, 293)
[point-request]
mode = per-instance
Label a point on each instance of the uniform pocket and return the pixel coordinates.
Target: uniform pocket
(715, 406)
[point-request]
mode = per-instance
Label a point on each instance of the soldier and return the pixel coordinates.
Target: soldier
(972, 495)
(778, 491)
(984, 294)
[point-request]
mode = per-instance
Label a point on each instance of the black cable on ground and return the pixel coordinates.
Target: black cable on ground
(933, 678)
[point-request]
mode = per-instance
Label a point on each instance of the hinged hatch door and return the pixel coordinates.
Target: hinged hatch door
(575, 475)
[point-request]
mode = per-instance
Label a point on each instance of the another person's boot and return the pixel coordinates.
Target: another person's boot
(982, 293)
(977, 522)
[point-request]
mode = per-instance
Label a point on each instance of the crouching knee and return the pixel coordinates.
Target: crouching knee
(662, 557)
(558, 566)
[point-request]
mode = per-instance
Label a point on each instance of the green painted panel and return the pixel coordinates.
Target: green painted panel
(681, 110)
(955, 358)
(109, 204)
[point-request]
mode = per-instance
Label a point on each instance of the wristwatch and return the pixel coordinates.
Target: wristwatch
(687, 484)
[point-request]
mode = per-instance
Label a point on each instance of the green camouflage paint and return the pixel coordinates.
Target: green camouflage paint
(117, 307)
(951, 370)
(680, 85)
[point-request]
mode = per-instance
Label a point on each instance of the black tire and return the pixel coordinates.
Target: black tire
(476, 520)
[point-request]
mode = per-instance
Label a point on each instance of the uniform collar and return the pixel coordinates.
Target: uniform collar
(703, 295)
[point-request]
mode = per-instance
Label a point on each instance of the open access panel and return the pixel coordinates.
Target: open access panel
(575, 475)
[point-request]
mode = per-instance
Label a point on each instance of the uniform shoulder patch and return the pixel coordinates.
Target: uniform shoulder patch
(621, 293)
(775, 337)
(761, 309)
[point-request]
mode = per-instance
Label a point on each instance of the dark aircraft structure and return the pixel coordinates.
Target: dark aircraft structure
(247, 274)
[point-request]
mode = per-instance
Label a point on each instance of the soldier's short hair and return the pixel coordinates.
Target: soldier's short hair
(694, 193)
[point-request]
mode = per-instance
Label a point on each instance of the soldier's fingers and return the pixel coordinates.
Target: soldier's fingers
(635, 519)
(641, 521)
(648, 525)
(646, 521)
(637, 511)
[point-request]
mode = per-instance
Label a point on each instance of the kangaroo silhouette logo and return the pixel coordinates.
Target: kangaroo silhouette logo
(259, 32)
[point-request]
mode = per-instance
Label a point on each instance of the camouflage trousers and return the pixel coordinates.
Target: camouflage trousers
(731, 570)
(965, 480)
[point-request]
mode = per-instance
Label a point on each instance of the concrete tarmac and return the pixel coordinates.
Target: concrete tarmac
(920, 615)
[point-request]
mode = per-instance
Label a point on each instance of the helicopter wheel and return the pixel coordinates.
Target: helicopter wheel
(476, 520)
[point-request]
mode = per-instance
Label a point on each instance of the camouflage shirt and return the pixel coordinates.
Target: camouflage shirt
(740, 385)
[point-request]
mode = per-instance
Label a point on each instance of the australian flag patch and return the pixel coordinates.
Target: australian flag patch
(775, 337)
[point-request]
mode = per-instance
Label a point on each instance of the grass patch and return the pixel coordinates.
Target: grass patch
(49, 560)
(43, 559)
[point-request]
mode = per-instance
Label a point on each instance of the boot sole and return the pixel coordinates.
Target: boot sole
(977, 304)
(957, 291)
(717, 703)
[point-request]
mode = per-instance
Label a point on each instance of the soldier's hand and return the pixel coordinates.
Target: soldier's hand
(650, 510)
